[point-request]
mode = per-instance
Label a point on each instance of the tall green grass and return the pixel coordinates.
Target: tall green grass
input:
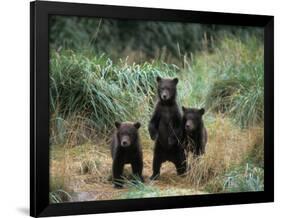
(230, 80)
(89, 91)
(100, 91)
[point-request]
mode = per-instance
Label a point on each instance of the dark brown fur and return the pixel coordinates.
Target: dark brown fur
(126, 149)
(195, 133)
(165, 128)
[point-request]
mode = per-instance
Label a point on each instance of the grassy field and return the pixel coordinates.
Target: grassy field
(88, 92)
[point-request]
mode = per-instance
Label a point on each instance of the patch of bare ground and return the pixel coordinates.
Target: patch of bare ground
(85, 170)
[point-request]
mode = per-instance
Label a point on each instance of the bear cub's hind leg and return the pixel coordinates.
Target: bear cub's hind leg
(156, 165)
(137, 167)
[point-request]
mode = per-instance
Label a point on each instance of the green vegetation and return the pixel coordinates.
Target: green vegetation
(238, 89)
(249, 178)
(96, 91)
(99, 89)
(141, 41)
(141, 190)
(96, 79)
(242, 178)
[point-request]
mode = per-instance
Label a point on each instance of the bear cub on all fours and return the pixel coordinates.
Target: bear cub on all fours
(126, 149)
(195, 133)
(165, 127)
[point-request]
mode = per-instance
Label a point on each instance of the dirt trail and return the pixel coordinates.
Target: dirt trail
(94, 184)
(83, 170)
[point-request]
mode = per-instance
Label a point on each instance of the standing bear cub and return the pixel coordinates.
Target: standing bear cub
(165, 127)
(126, 149)
(195, 133)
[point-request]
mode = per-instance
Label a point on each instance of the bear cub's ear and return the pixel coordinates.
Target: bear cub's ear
(176, 80)
(117, 124)
(202, 111)
(158, 79)
(137, 125)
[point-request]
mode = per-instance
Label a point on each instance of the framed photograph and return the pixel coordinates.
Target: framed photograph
(142, 109)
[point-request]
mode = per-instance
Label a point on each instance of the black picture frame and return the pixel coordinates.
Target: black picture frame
(39, 108)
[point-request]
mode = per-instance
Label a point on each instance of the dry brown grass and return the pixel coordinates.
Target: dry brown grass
(227, 146)
(85, 169)
(75, 130)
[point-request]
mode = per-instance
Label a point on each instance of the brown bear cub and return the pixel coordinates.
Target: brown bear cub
(165, 127)
(195, 133)
(126, 149)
